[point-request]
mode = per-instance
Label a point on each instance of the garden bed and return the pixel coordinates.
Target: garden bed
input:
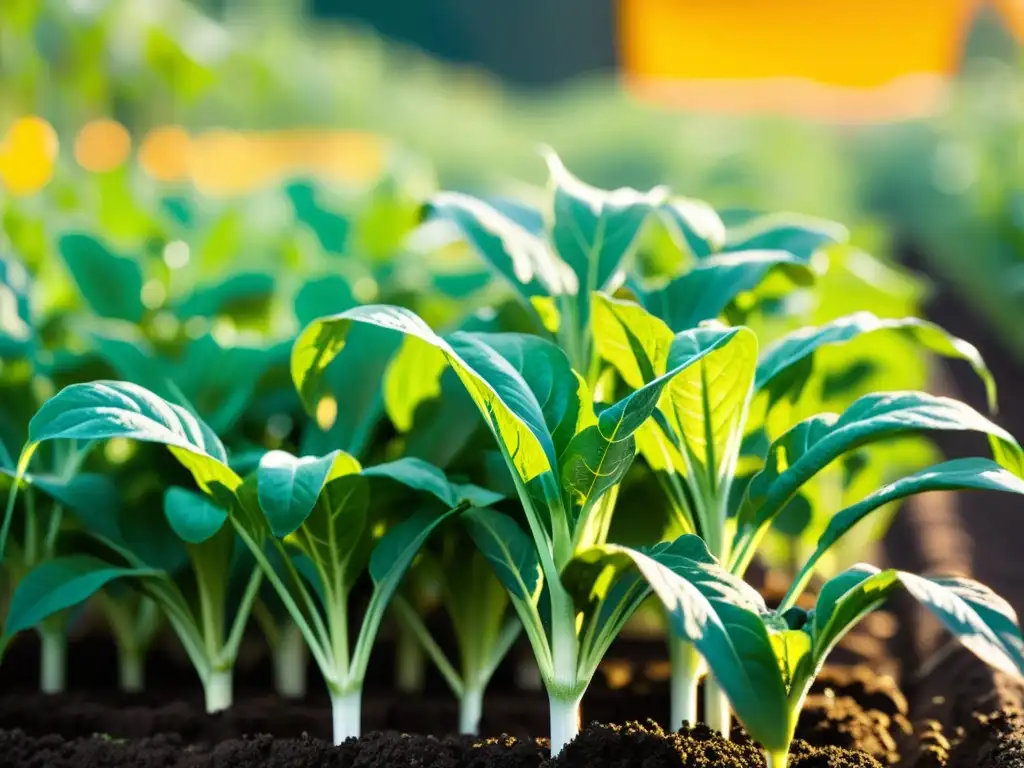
(854, 717)
(960, 714)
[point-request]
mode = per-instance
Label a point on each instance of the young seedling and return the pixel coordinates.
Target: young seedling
(566, 458)
(46, 500)
(693, 442)
(209, 631)
(766, 661)
(321, 516)
(589, 234)
(484, 625)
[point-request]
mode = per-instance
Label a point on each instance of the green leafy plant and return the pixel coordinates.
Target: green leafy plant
(590, 234)
(694, 441)
(565, 457)
(204, 615)
(767, 660)
(482, 619)
(36, 541)
(322, 516)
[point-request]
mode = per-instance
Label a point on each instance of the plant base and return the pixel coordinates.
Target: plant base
(218, 691)
(346, 715)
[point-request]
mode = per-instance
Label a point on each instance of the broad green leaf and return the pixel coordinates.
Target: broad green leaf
(815, 443)
(353, 381)
(131, 357)
(631, 339)
(563, 397)
(694, 225)
(421, 476)
(101, 410)
(985, 623)
(110, 284)
(598, 457)
(801, 236)
(510, 551)
(956, 475)
(337, 532)
(503, 398)
(413, 377)
(594, 462)
(192, 516)
(331, 229)
(781, 357)
(520, 256)
(594, 230)
(321, 296)
(289, 487)
(706, 401)
(712, 609)
(61, 583)
(512, 554)
(240, 295)
(714, 283)
(795, 653)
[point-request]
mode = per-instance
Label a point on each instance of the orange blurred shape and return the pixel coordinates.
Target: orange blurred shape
(834, 59)
(352, 156)
(230, 162)
(102, 145)
(28, 155)
(222, 162)
(164, 153)
(1013, 14)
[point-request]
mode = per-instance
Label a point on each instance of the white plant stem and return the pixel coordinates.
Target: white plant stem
(717, 714)
(290, 658)
(218, 690)
(470, 708)
(565, 722)
(53, 660)
(687, 667)
(346, 714)
(131, 669)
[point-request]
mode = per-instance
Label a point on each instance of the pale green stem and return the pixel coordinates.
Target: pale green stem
(565, 722)
(131, 666)
(717, 714)
(412, 624)
(290, 656)
(410, 662)
(778, 759)
(53, 660)
(687, 667)
(470, 708)
(217, 689)
(346, 715)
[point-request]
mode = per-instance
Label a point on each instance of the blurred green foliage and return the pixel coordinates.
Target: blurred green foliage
(951, 185)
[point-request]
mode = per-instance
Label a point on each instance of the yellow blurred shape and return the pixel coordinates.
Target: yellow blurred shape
(326, 412)
(102, 145)
(872, 59)
(164, 153)
(28, 155)
(229, 162)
